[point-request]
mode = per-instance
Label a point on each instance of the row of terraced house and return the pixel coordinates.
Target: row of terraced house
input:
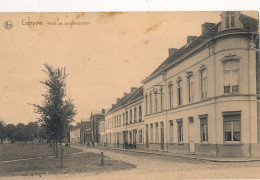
(203, 99)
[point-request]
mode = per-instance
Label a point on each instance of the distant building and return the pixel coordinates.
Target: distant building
(124, 121)
(75, 134)
(95, 119)
(78, 133)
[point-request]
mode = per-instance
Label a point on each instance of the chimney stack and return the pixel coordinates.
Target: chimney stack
(206, 26)
(191, 38)
(103, 111)
(133, 89)
(172, 50)
(117, 100)
(125, 94)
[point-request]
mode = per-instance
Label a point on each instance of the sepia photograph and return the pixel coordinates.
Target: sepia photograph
(130, 95)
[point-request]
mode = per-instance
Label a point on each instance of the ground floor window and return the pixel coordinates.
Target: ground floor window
(156, 133)
(203, 128)
(151, 132)
(140, 136)
(232, 126)
(180, 130)
(171, 131)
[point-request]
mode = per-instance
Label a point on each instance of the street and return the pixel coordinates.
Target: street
(152, 166)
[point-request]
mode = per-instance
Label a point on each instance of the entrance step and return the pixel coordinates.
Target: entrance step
(191, 153)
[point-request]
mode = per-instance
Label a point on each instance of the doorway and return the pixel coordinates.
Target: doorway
(162, 136)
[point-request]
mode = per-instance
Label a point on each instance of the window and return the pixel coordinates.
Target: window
(203, 83)
(126, 117)
(230, 20)
(170, 87)
(161, 98)
(119, 120)
(135, 115)
(203, 128)
(155, 101)
(123, 119)
(156, 133)
(140, 113)
(232, 126)
(171, 131)
(179, 84)
(190, 88)
(151, 103)
(146, 104)
(180, 130)
(231, 76)
(151, 132)
(131, 116)
(140, 136)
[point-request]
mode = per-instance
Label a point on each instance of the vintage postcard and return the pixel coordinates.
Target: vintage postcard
(130, 95)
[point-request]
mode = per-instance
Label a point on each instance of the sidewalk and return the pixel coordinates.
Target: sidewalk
(188, 156)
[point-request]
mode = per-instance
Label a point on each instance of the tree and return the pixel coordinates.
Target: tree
(32, 131)
(56, 113)
(11, 132)
(2, 131)
(20, 132)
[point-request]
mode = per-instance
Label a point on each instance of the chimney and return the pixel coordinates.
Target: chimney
(206, 26)
(172, 50)
(191, 38)
(103, 111)
(117, 100)
(133, 89)
(125, 94)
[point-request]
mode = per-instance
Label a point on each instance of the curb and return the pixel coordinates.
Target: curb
(183, 156)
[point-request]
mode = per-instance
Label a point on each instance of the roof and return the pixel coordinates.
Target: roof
(249, 25)
(129, 98)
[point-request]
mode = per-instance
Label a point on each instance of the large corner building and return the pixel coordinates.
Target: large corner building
(203, 99)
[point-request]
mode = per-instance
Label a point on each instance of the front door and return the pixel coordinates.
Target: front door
(162, 136)
(147, 136)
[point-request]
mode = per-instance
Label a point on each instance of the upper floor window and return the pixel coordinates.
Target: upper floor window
(179, 84)
(135, 114)
(119, 120)
(161, 98)
(140, 113)
(126, 117)
(231, 76)
(155, 101)
(131, 116)
(151, 103)
(170, 87)
(123, 118)
(146, 104)
(203, 82)
(190, 88)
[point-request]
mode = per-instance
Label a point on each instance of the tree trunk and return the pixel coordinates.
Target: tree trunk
(61, 154)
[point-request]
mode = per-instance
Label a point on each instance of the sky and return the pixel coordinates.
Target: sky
(104, 59)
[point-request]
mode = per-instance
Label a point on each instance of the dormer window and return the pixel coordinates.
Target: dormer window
(230, 20)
